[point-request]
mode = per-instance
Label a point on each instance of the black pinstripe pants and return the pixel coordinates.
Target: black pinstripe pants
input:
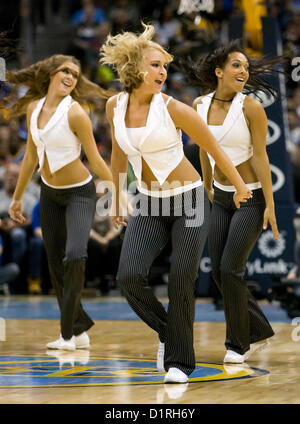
(145, 237)
(66, 220)
(232, 235)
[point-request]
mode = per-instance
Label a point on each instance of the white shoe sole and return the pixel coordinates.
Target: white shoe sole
(67, 348)
(233, 361)
(86, 346)
(61, 346)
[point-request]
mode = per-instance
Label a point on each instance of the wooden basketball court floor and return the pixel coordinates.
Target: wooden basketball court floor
(119, 368)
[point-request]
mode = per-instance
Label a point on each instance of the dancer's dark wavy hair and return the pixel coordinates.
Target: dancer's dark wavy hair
(202, 72)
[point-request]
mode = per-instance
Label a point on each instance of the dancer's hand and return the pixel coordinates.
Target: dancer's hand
(15, 211)
(269, 217)
(117, 221)
(210, 194)
(242, 196)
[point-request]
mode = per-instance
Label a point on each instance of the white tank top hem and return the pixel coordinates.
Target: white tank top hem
(251, 186)
(171, 192)
(159, 143)
(81, 183)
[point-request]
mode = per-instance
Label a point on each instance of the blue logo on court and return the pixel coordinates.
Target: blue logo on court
(78, 369)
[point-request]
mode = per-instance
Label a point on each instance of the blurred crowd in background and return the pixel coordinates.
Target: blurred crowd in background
(45, 27)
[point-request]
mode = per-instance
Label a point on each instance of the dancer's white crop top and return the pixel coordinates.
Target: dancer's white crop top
(56, 139)
(160, 142)
(233, 136)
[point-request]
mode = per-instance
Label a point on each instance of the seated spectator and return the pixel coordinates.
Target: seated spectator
(100, 125)
(92, 53)
(16, 148)
(85, 23)
(294, 127)
(167, 27)
(296, 100)
(88, 11)
(14, 233)
(176, 85)
(198, 36)
(4, 139)
(293, 147)
(123, 16)
(104, 248)
(8, 272)
(36, 253)
(295, 270)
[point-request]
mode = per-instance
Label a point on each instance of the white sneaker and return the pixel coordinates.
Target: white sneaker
(256, 347)
(160, 357)
(233, 357)
(174, 375)
(82, 341)
(62, 344)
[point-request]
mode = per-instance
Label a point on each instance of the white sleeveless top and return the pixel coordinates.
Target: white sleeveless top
(160, 142)
(56, 139)
(233, 135)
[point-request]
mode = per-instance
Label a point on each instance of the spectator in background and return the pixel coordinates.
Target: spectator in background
(177, 89)
(294, 127)
(293, 147)
(100, 126)
(8, 272)
(36, 253)
(101, 32)
(281, 11)
(4, 139)
(123, 16)
(16, 148)
(13, 232)
(119, 21)
(104, 248)
(296, 100)
(295, 270)
(85, 23)
(167, 27)
(176, 85)
(198, 36)
(291, 37)
(87, 12)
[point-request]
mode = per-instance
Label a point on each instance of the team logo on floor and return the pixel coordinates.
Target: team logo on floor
(63, 369)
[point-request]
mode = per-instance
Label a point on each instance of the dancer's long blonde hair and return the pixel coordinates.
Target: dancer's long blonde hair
(125, 52)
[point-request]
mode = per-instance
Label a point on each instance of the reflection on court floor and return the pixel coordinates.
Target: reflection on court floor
(64, 369)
